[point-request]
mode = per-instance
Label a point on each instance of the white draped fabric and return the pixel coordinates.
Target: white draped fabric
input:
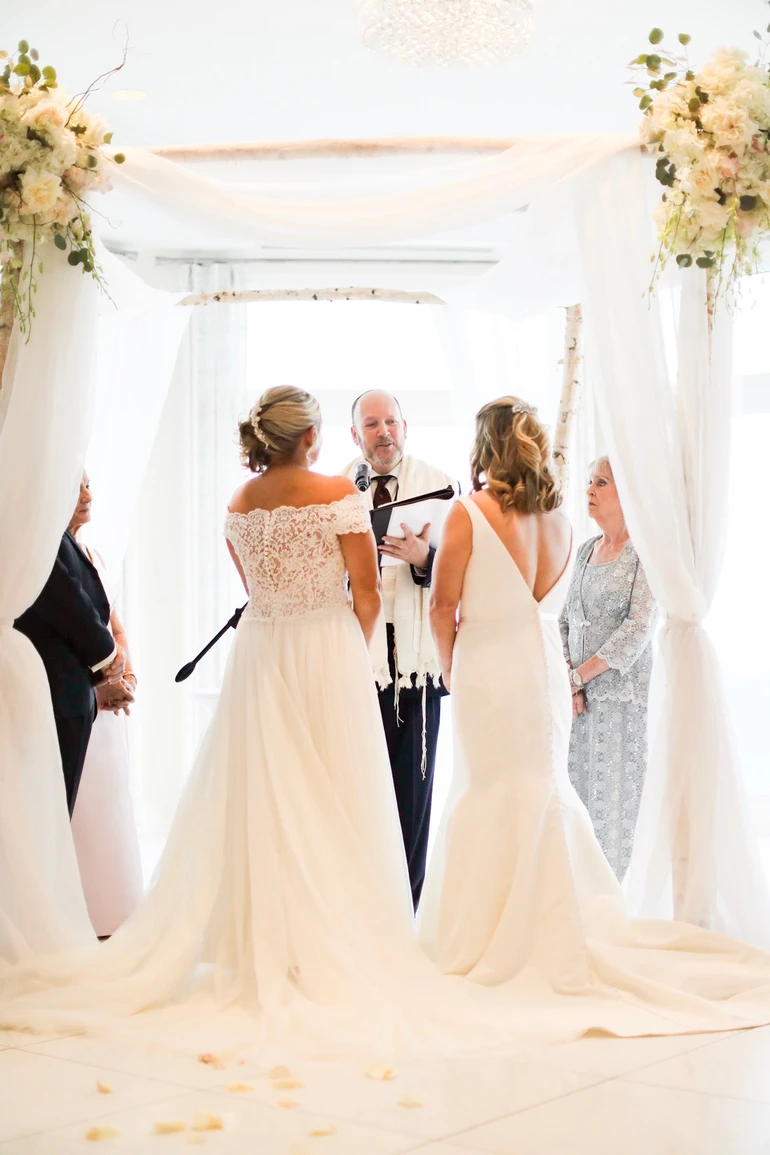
(695, 856)
(47, 403)
(692, 809)
(81, 340)
(481, 190)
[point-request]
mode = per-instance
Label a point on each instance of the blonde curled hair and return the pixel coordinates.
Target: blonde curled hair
(512, 452)
(275, 425)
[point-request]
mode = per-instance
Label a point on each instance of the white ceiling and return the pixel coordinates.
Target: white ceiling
(294, 69)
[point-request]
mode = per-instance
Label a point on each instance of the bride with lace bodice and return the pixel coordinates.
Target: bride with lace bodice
(291, 557)
(283, 886)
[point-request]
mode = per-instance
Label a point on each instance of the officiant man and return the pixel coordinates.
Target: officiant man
(404, 657)
(68, 625)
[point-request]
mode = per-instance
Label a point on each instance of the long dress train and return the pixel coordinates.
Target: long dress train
(519, 895)
(283, 892)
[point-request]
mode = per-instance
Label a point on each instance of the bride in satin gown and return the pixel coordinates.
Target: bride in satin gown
(519, 895)
(280, 915)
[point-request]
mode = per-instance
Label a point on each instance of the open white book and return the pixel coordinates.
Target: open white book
(415, 512)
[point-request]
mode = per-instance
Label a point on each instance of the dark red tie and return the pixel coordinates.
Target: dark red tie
(381, 495)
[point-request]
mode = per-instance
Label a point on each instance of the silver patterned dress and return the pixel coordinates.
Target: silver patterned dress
(610, 613)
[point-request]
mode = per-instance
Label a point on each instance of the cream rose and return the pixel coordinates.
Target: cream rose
(45, 115)
(39, 191)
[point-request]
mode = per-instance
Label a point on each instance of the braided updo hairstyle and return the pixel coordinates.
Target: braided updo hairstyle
(512, 452)
(275, 425)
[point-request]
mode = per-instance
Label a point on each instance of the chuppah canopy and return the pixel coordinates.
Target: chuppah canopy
(695, 855)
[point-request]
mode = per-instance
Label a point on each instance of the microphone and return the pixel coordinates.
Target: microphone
(188, 669)
(363, 476)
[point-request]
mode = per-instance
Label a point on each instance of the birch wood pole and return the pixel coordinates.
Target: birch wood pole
(353, 293)
(569, 402)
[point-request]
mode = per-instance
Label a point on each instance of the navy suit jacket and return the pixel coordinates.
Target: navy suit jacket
(67, 625)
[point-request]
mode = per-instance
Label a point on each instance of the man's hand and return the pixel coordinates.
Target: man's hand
(115, 696)
(114, 672)
(412, 549)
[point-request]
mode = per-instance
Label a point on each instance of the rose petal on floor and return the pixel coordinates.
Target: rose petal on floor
(203, 1122)
(322, 1131)
(102, 1088)
(383, 1073)
(410, 1100)
(169, 1126)
(95, 1134)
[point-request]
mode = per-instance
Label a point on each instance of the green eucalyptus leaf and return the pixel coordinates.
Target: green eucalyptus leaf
(49, 73)
(684, 38)
(748, 203)
(34, 73)
(119, 157)
(107, 138)
(705, 262)
(757, 34)
(684, 260)
(59, 241)
(694, 103)
(74, 258)
(656, 36)
(644, 104)
(21, 69)
(23, 46)
(653, 61)
(34, 53)
(689, 75)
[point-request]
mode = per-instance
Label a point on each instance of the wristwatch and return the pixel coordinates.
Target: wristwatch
(575, 678)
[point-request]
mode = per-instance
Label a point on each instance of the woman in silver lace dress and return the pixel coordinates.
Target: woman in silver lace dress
(607, 626)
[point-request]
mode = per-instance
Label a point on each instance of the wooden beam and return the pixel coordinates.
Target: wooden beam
(302, 149)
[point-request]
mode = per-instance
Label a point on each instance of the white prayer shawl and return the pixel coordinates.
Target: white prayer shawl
(415, 649)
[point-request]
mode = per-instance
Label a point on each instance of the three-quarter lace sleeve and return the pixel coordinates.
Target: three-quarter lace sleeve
(352, 515)
(564, 628)
(627, 643)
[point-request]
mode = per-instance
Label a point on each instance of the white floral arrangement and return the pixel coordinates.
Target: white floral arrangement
(51, 158)
(710, 130)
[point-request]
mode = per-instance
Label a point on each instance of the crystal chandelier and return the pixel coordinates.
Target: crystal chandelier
(446, 32)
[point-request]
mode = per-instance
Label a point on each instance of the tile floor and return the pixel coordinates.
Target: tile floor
(701, 1095)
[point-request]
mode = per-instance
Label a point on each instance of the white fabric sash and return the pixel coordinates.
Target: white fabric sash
(415, 649)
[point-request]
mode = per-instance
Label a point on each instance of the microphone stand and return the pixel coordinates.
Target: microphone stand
(230, 625)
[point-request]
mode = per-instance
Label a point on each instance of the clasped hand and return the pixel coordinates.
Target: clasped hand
(115, 696)
(412, 548)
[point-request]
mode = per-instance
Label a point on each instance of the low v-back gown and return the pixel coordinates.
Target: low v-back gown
(519, 895)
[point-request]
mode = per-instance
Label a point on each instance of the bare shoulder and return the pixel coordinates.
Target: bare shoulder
(558, 524)
(457, 527)
(242, 500)
(331, 489)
